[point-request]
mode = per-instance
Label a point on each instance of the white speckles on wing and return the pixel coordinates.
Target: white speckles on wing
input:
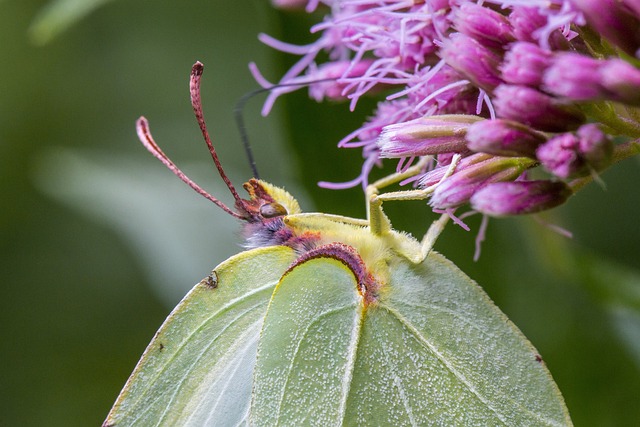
(306, 324)
(433, 350)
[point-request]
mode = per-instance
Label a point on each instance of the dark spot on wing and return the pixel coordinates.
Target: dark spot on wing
(211, 281)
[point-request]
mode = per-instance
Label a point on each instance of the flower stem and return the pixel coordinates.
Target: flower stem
(605, 113)
(621, 152)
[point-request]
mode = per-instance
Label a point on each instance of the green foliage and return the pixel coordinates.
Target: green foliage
(58, 15)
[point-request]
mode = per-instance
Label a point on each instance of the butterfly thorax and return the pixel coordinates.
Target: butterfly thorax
(273, 217)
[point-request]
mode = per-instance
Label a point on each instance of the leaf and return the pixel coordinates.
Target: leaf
(617, 289)
(58, 15)
(433, 351)
(197, 369)
(162, 224)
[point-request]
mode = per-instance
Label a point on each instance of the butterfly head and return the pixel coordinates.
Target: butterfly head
(266, 202)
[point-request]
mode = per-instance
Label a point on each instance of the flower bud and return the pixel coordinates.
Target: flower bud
(488, 27)
(434, 176)
(614, 21)
(474, 61)
(622, 80)
(525, 21)
(530, 25)
(633, 6)
(583, 78)
(560, 156)
(573, 155)
(519, 197)
(574, 76)
(289, 4)
(525, 63)
(503, 138)
(534, 108)
(445, 159)
(595, 146)
(457, 189)
(425, 136)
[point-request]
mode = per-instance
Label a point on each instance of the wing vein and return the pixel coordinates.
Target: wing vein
(445, 362)
(201, 355)
(141, 413)
(227, 306)
(297, 349)
(454, 313)
(403, 396)
(441, 357)
(351, 361)
(238, 364)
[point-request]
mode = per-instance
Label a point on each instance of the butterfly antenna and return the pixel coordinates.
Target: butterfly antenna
(239, 109)
(142, 127)
(196, 103)
(237, 114)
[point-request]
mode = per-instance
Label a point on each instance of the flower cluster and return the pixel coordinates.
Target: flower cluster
(506, 85)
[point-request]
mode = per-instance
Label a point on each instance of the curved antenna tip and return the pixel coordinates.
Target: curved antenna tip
(197, 68)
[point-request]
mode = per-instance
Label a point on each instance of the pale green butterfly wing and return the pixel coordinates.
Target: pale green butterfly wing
(198, 368)
(433, 351)
(307, 346)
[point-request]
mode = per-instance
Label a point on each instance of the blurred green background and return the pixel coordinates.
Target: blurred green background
(99, 241)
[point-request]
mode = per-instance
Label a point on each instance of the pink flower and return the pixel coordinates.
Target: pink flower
(536, 109)
(503, 138)
(473, 60)
(458, 189)
(483, 24)
(571, 155)
(525, 64)
(426, 135)
(574, 76)
(525, 70)
(519, 197)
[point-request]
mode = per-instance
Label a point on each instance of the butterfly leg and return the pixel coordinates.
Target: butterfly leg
(380, 223)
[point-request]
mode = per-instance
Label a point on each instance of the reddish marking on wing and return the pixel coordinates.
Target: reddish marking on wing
(367, 285)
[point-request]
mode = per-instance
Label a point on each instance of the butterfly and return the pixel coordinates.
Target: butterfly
(330, 320)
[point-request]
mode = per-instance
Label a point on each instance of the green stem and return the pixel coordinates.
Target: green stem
(595, 44)
(621, 152)
(606, 114)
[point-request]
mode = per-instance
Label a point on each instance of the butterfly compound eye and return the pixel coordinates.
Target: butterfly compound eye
(271, 210)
